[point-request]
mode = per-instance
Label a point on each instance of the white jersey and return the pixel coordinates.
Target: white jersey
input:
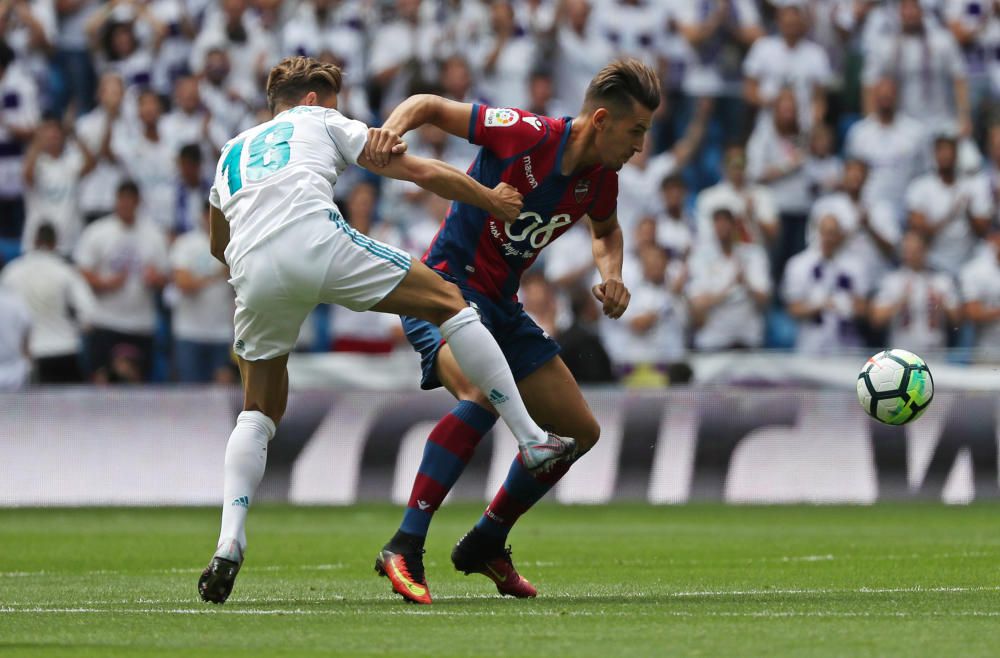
(283, 171)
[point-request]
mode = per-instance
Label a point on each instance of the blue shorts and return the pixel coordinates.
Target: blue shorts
(524, 344)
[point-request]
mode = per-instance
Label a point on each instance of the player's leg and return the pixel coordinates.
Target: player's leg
(425, 295)
(265, 395)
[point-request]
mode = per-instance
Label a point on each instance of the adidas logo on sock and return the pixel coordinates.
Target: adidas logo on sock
(496, 397)
(242, 501)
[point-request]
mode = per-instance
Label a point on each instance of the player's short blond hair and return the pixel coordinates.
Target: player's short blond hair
(294, 77)
(620, 83)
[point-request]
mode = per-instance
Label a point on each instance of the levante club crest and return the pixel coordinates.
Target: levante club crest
(581, 189)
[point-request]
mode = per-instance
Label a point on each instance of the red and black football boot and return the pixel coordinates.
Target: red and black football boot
(476, 554)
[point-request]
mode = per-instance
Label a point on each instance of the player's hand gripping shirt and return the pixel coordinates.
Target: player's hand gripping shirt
(525, 151)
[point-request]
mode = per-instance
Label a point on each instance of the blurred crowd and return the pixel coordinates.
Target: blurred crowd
(822, 175)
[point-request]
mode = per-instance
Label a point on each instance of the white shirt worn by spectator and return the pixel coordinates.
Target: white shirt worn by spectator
(726, 195)
(674, 234)
(950, 205)
(614, 333)
(97, 188)
(109, 246)
(982, 17)
(54, 198)
(181, 129)
(922, 322)
(578, 59)
(397, 44)
(926, 67)
(736, 320)
(792, 192)
(507, 84)
(632, 30)
(153, 167)
(50, 286)
(172, 57)
(715, 66)
(638, 186)
(71, 32)
(259, 49)
(341, 32)
(664, 342)
(881, 217)
(896, 153)
(205, 316)
(980, 282)
(776, 65)
(19, 37)
(15, 327)
(18, 109)
(833, 283)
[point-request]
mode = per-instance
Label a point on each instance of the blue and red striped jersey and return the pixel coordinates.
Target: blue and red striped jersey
(525, 151)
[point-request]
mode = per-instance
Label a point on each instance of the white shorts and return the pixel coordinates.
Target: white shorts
(314, 261)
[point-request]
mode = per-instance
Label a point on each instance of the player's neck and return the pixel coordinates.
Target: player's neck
(580, 152)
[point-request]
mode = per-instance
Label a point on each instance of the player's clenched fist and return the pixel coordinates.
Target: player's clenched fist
(382, 144)
(508, 202)
(615, 297)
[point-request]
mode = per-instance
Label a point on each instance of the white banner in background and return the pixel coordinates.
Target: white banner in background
(163, 446)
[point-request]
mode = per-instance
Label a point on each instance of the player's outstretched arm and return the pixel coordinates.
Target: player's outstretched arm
(609, 249)
(448, 115)
(503, 202)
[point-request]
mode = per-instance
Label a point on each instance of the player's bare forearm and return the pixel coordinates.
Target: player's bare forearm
(448, 115)
(218, 235)
(608, 245)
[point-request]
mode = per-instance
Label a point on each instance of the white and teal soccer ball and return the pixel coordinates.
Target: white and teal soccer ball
(895, 387)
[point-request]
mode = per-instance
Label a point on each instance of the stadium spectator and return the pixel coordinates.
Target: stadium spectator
(991, 167)
(776, 158)
(456, 82)
(192, 190)
(180, 28)
(29, 28)
(52, 171)
(220, 93)
(657, 319)
(975, 24)
(111, 30)
(823, 167)
(925, 60)
(825, 288)
(894, 146)
(582, 350)
(189, 122)
(401, 55)
(919, 305)
(19, 116)
(319, 25)
(150, 158)
(729, 288)
(124, 259)
(15, 336)
(788, 60)
(980, 283)
(872, 227)
(580, 51)
(753, 206)
(539, 299)
(952, 211)
(541, 95)
(673, 222)
(60, 301)
(97, 130)
(642, 175)
(719, 33)
(505, 59)
(633, 28)
(72, 72)
(248, 46)
(203, 309)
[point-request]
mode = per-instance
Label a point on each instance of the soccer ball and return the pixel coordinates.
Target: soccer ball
(895, 387)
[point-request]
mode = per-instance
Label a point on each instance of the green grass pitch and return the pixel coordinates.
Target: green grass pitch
(624, 580)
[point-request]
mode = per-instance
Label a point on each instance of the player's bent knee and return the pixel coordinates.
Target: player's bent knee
(447, 303)
(588, 435)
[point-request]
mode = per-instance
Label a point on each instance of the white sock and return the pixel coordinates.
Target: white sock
(482, 361)
(246, 457)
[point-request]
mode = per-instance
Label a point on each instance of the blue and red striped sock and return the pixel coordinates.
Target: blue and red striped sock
(519, 492)
(449, 448)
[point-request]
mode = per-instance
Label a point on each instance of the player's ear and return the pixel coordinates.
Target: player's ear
(312, 98)
(601, 118)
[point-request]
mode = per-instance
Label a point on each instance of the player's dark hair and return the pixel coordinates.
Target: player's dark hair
(621, 83)
(294, 77)
(45, 236)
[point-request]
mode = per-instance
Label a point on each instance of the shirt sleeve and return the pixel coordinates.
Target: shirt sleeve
(755, 62)
(890, 291)
(348, 135)
(506, 131)
(605, 202)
